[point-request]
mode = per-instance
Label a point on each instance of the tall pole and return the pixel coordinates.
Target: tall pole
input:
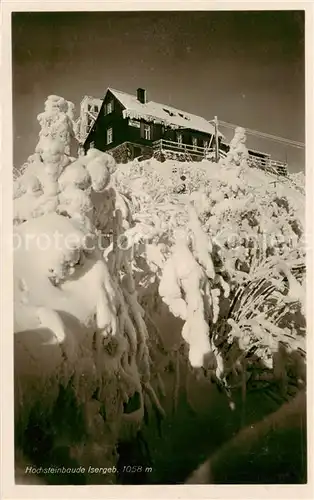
(216, 140)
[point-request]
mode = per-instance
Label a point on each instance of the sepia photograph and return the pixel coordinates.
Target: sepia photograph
(159, 247)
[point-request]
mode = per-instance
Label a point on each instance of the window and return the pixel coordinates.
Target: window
(89, 107)
(147, 132)
(109, 135)
(179, 138)
(194, 142)
(109, 107)
(96, 109)
(205, 144)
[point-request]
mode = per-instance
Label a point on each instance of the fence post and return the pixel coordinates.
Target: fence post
(216, 140)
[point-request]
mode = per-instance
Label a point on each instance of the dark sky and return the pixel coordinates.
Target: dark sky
(245, 67)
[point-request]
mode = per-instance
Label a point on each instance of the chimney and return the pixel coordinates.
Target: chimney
(141, 95)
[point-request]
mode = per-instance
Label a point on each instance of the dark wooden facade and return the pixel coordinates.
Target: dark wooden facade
(134, 137)
(97, 136)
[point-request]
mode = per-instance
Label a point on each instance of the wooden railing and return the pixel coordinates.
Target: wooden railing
(179, 148)
(267, 164)
(222, 153)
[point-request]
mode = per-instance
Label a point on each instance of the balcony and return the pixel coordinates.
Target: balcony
(181, 151)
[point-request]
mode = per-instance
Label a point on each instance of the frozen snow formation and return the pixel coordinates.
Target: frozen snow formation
(51, 281)
(56, 122)
(241, 251)
(52, 183)
(45, 186)
(186, 287)
(100, 248)
(238, 153)
(78, 322)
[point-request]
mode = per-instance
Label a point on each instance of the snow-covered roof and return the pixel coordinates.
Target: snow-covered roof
(91, 99)
(161, 113)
